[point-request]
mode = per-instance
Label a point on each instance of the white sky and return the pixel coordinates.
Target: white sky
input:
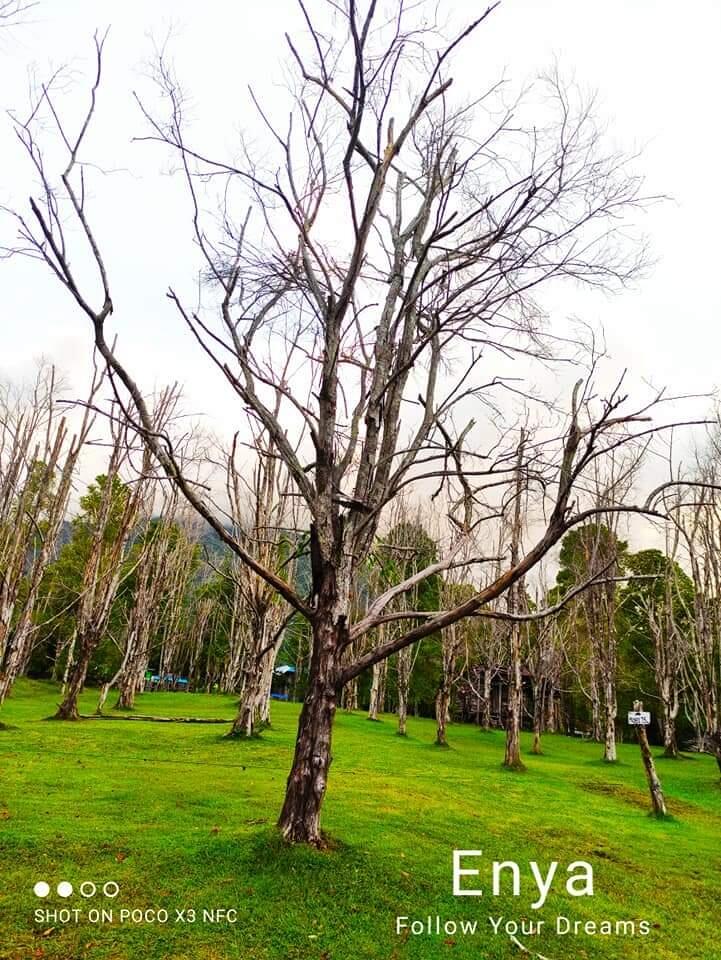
(654, 65)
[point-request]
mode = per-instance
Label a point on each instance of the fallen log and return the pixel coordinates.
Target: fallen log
(149, 719)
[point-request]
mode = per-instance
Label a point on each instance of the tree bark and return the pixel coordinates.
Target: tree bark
(539, 697)
(404, 670)
(377, 694)
(299, 820)
(486, 710)
(668, 721)
(443, 699)
(512, 758)
(654, 784)
(68, 709)
(350, 696)
(610, 711)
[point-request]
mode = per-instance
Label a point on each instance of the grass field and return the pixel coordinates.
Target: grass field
(182, 819)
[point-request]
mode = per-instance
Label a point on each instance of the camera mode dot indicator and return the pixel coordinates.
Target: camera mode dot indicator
(41, 889)
(65, 889)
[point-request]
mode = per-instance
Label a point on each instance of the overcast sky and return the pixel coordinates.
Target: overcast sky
(654, 65)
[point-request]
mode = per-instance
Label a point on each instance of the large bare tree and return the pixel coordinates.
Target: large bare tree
(394, 242)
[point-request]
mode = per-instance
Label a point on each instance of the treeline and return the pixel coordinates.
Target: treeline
(134, 584)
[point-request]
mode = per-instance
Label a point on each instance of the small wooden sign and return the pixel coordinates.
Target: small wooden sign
(639, 718)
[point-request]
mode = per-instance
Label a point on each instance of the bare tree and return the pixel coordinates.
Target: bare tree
(455, 643)
(162, 566)
(264, 522)
(544, 661)
(697, 516)
(38, 463)
(396, 244)
(113, 510)
(515, 604)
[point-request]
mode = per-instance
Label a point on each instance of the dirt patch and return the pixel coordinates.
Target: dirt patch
(641, 799)
(619, 792)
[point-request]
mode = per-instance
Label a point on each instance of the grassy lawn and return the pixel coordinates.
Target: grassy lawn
(182, 819)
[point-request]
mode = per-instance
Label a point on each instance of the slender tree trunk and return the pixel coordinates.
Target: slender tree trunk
(539, 689)
(595, 700)
(68, 709)
(350, 696)
(610, 712)
(69, 660)
(247, 718)
(668, 722)
(254, 706)
(131, 677)
(15, 660)
(669, 711)
(443, 698)
(486, 709)
(551, 708)
(377, 694)
(512, 758)
(404, 671)
(670, 744)
(266, 683)
(654, 784)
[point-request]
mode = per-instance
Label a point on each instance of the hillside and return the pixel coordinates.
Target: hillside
(182, 819)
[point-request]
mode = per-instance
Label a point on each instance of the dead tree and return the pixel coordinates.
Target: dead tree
(515, 604)
(110, 521)
(544, 660)
(394, 231)
(161, 568)
(38, 463)
(176, 600)
(663, 609)
(377, 696)
(264, 524)
(697, 516)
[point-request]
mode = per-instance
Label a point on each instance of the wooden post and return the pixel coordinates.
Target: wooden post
(654, 784)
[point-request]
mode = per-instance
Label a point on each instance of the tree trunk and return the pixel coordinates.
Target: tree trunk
(486, 711)
(377, 694)
(404, 670)
(132, 674)
(610, 711)
(350, 696)
(595, 700)
(443, 699)
(16, 656)
(248, 716)
(514, 602)
(266, 684)
(512, 758)
(299, 820)
(654, 784)
(539, 689)
(68, 709)
(669, 710)
(69, 660)
(670, 745)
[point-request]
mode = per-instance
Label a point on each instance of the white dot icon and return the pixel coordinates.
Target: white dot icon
(65, 889)
(41, 889)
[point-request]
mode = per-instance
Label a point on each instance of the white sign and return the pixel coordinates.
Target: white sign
(639, 719)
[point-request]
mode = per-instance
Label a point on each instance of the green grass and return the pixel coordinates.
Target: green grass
(181, 818)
